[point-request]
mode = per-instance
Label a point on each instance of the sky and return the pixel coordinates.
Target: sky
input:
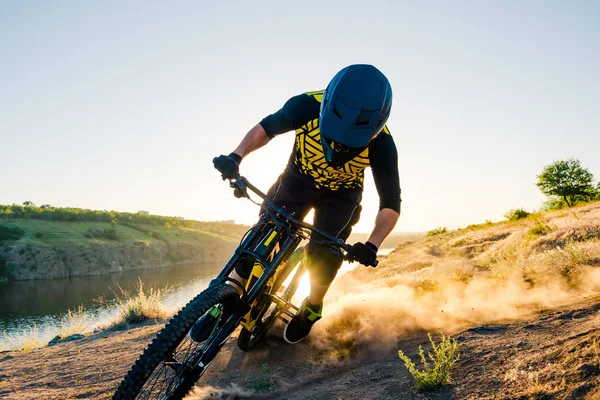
(123, 105)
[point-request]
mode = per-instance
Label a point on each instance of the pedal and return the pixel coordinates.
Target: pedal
(285, 320)
(293, 306)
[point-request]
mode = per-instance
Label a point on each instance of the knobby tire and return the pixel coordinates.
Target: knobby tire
(168, 340)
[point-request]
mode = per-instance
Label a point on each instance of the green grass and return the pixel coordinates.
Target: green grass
(445, 354)
(181, 235)
(58, 232)
(265, 382)
(61, 232)
(539, 229)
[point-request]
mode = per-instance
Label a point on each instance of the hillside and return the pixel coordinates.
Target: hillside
(522, 298)
(394, 240)
(35, 248)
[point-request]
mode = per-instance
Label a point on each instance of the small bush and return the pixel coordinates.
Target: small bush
(514, 215)
(37, 235)
(445, 355)
(264, 383)
(107, 233)
(539, 229)
(437, 231)
(9, 232)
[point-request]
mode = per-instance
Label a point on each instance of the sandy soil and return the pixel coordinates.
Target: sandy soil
(548, 356)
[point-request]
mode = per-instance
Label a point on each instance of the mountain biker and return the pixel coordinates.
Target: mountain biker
(339, 132)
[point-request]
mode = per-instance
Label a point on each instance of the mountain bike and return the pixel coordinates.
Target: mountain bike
(173, 362)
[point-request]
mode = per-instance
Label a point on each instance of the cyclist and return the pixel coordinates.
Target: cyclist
(339, 132)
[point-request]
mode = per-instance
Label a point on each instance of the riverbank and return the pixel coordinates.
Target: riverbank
(58, 249)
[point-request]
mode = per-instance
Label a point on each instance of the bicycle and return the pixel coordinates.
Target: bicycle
(171, 364)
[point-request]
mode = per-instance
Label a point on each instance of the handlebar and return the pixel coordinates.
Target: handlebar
(241, 186)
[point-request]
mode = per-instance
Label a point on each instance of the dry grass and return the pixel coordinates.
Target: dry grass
(536, 384)
(75, 322)
(27, 340)
(133, 308)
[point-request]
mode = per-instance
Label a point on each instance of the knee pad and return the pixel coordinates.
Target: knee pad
(322, 263)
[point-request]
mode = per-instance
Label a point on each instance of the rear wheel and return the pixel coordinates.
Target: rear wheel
(171, 364)
(248, 339)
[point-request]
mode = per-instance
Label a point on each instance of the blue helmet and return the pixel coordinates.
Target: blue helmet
(354, 109)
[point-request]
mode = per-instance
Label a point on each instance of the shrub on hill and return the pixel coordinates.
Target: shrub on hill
(437, 231)
(108, 233)
(8, 232)
(514, 215)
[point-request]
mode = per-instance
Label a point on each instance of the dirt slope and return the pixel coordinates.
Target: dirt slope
(549, 356)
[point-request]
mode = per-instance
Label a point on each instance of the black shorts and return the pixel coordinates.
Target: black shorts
(335, 213)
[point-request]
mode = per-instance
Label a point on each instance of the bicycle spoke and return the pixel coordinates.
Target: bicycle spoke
(172, 369)
(154, 379)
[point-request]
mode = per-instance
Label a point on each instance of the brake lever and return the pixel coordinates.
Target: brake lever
(239, 188)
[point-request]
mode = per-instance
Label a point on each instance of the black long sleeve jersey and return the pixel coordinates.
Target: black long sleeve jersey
(301, 114)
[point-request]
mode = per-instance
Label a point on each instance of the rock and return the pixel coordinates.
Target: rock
(54, 341)
(58, 339)
(488, 329)
(532, 326)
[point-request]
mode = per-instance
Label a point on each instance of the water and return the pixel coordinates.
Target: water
(41, 303)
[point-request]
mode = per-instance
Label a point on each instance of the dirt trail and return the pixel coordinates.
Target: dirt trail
(550, 356)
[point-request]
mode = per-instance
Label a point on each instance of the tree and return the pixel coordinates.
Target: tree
(567, 179)
(28, 204)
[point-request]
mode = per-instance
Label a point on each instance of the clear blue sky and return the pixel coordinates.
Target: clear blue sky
(123, 105)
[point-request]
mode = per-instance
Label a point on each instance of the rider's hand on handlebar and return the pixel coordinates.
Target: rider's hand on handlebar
(364, 253)
(228, 166)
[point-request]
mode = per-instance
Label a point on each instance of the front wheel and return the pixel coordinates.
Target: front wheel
(170, 366)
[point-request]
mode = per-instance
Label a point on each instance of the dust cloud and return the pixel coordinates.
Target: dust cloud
(232, 392)
(373, 314)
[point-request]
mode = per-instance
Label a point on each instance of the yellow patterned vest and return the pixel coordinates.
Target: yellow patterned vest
(310, 160)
